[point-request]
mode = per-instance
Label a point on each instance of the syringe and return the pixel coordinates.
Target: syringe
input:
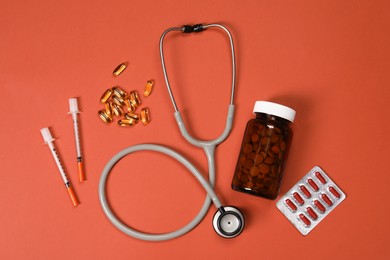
(49, 141)
(74, 110)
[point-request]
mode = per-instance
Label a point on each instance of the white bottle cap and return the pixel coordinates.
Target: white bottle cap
(73, 107)
(274, 109)
(46, 135)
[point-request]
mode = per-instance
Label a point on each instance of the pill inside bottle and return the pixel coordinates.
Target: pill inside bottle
(264, 149)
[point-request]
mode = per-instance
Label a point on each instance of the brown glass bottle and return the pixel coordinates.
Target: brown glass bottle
(264, 150)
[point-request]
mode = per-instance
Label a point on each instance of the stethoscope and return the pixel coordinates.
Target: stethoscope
(228, 221)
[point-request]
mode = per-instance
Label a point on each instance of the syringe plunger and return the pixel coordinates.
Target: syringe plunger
(46, 135)
(73, 106)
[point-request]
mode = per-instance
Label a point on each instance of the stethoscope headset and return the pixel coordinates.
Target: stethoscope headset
(228, 221)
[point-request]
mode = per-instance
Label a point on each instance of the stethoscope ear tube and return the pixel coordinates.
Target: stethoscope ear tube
(194, 29)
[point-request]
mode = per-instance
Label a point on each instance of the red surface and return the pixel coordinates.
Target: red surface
(329, 60)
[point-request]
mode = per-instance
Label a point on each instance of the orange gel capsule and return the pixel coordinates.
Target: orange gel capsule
(298, 198)
(304, 219)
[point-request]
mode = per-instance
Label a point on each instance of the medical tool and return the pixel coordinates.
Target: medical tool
(228, 221)
(47, 137)
(74, 110)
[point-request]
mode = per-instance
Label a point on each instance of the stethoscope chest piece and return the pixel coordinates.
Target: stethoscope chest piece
(228, 222)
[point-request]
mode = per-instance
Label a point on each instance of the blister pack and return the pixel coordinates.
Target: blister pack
(310, 200)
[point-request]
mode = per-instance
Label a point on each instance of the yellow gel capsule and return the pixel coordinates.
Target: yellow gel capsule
(104, 117)
(135, 117)
(134, 99)
(120, 93)
(106, 95)
(119, 101)
(126, 122)
(118, 70)
(129, 105)
(118, 111)
(145, 116)
(108, 108)
(148, 88)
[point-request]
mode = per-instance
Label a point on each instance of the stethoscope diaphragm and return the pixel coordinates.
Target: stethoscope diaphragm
(228, 222)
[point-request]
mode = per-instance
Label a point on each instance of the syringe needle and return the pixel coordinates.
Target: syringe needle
(74, 110)
(49, 141)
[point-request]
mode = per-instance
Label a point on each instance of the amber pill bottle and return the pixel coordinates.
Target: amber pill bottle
(264, 150)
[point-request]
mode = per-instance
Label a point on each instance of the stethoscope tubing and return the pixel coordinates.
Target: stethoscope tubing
(211, 197)
(208, 146)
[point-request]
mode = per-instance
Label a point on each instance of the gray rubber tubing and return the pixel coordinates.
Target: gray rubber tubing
(208, 186)
(214, 142)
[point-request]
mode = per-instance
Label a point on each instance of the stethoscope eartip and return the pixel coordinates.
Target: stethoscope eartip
(228, 222)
